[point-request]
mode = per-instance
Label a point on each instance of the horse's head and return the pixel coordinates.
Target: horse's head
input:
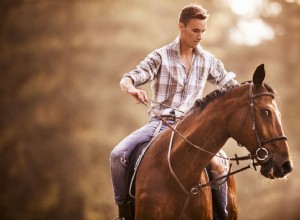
(261, 130)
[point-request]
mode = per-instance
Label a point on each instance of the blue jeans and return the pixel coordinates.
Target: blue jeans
(119, 160)
(120, 155)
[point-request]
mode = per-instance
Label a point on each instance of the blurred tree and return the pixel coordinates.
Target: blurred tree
(62, 110)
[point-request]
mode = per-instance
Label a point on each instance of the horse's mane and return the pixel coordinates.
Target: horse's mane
(202, 103)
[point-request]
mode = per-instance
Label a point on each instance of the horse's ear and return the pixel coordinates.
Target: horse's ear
(259, 75)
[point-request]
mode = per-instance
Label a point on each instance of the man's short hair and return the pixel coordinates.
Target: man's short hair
(192, 11)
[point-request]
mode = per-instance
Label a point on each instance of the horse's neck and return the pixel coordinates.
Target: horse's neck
(206, 130)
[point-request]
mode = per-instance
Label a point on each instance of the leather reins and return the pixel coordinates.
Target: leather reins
(259, 140)
(261, 154)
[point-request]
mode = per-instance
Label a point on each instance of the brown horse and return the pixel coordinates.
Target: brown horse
(167, 180)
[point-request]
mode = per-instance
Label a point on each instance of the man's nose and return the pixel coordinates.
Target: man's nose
(199, 36)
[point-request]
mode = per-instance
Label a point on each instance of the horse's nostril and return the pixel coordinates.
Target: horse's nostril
(287, 167)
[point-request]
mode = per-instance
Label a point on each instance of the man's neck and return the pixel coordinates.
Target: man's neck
(186, 55)
(185, 51)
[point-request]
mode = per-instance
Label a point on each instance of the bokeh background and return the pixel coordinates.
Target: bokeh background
(62, 111)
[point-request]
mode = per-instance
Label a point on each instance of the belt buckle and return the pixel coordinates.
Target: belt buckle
(173, 118)
(170, 118)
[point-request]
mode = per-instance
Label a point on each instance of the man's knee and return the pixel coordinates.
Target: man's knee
(217, 165)
(117, 156)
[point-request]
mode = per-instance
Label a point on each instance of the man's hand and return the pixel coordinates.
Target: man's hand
(138, 94)
(127, 86)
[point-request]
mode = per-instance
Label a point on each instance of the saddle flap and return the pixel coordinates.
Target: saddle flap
(134, 162)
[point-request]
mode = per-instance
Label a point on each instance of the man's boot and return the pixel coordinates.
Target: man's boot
(122, 211)
(126, 211)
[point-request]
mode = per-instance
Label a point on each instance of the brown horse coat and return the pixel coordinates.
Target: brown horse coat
(209, 125)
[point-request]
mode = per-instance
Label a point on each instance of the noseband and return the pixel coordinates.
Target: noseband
(261, 154)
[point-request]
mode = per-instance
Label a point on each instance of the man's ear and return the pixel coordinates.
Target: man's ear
(181, 26)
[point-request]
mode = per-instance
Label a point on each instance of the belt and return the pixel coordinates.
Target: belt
(171, 118)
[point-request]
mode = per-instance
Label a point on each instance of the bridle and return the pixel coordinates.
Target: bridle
(261, 154)
(260, 142)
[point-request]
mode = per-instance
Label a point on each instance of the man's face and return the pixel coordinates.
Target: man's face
(192, 33)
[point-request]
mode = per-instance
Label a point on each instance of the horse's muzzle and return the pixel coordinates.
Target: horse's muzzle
(272, 171)
(287, 167)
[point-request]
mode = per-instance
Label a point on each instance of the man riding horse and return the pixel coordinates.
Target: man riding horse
(177, 73)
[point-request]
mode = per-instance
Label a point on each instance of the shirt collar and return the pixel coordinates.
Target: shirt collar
(176, 46)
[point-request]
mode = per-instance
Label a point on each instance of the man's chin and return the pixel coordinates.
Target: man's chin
(195, 44)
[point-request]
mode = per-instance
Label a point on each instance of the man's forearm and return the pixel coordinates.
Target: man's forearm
(126, 84)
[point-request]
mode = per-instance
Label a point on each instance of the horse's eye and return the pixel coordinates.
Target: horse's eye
(266, 112)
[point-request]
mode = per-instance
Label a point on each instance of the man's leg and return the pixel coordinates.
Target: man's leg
(119, 160)
(218, 168)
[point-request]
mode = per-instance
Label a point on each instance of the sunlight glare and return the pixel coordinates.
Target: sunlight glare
(293, 1)
(246, 8)
(251, 30)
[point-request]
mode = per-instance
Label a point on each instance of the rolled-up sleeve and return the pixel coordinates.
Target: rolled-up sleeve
(219, 76)
(146, 70)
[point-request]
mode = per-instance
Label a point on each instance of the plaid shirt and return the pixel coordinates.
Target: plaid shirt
(171, 85)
